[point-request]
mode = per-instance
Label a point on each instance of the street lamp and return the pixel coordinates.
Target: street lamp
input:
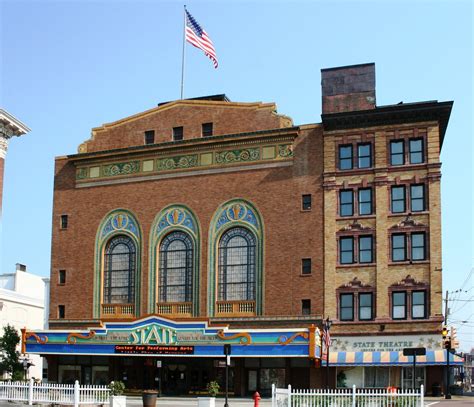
(327, 340)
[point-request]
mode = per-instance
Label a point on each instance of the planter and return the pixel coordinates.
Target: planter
(149, 399)
(118, 401)
(206, 402)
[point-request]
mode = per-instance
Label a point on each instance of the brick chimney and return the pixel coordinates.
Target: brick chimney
(348, 88)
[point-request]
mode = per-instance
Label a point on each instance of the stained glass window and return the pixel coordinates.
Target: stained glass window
(176, 268)
(236, 278)
(119, 271)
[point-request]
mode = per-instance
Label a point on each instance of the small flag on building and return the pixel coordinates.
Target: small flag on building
(199, 38)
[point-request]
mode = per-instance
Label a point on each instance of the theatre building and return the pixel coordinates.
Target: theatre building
(204, 222)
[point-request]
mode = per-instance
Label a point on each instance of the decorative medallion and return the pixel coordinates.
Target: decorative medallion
(113, 170)
(176, 216)
(173, 163)
(285, 150)
(232, 156)
(81, 173)
(237, 211)
(119, 221)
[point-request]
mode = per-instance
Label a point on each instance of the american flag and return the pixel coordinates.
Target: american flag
(326, 338)
(199, 38)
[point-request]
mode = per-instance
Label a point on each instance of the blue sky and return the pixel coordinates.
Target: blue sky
(68, 66)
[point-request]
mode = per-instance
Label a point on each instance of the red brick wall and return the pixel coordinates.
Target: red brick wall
(227, 118)
(290, 234)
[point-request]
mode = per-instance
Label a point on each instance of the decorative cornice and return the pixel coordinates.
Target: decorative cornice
(408, 281)
(355, 283)
(355, 226)
(408, 222)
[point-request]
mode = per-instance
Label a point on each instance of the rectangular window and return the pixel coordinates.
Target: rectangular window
(62, 277)
(416, 151)
(306, 266)
(64, 222)
(417, 198)
(418, 304)
(365, 201)
(346, 202)
(398, 199)
(346, 307)
(418, 251)
(364, 155)
(178, 133)
(399, 308)
(306, 307)
(397, 152)
(150, 137)
(207, 129)
(306, 202)
(346, 250)
(365, 306)
(365, 249)
(345, 157)
(399, 252)
(61, 311)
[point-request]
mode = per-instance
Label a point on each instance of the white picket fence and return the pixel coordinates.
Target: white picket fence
(346, 397)
(72, 394)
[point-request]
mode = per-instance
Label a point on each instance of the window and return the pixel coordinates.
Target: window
(376, 377)
(236, 278)
(365, 306)
(346, 307)
(399, 308)
(306, 307)
(364, 153)
(418, 251)
(177, 133)
(306, 266)
(61, 311)
(398, 199)
(207, 129)
(306, 202)
(416, 151)
(365, 201)
(399, 251)
(62, 277)
(64, 222)
(418, 304)
(346, 202)
(365, 249)
(397, 152)
(176, 268)
(345, 157)
(150, 137)
(417, 198)
(119, 271)
(346, 250)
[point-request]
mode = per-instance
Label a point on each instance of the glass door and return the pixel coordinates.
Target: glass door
(407, 377)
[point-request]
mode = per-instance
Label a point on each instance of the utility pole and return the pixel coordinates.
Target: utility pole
(447, 345)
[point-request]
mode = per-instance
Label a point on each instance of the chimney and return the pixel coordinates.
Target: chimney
(348, 88)
(20, 267)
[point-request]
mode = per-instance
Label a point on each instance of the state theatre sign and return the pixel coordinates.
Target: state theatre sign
(159, 336)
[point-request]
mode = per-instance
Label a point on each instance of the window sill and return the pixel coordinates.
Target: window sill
(408, 262)
(306, 210)
(405, 214)
(356, 322)
(406, 166)
(306, 275)
(356, 217)
(345, 266)
(353, 171)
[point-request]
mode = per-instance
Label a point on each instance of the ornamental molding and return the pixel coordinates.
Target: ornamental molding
(408, 281)
(355, 226)
(3, 146)
(355, 283)
(408, 222)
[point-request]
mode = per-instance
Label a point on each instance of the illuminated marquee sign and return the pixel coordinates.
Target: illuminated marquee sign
(155, 335)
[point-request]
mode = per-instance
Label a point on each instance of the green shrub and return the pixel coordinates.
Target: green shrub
(212, 388)
(116, 388)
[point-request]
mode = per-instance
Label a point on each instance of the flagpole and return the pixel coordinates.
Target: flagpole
(184, 53)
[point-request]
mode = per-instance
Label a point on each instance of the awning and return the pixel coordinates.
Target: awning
(432, 357)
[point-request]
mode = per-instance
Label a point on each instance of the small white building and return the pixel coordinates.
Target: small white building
(24, 303)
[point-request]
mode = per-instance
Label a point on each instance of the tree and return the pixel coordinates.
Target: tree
(10, 357)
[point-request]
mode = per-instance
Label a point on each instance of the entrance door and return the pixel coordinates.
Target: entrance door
(252, 376)
(407, 377)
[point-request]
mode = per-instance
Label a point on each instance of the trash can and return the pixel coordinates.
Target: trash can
(436, 390)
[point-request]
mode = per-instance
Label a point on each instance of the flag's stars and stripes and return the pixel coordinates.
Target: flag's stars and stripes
(199, 38)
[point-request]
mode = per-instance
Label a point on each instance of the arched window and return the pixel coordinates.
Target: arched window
(236, 273)
(119, 271)
(176, 268)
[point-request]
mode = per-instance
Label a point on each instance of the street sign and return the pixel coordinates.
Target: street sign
(414, 351)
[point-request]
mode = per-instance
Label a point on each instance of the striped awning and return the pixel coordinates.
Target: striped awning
(432, 357)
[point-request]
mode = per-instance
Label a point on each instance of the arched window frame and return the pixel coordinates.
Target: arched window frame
(223, 266)
(176, 217)
(186, 239)
(116, 222)
(234, 213)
